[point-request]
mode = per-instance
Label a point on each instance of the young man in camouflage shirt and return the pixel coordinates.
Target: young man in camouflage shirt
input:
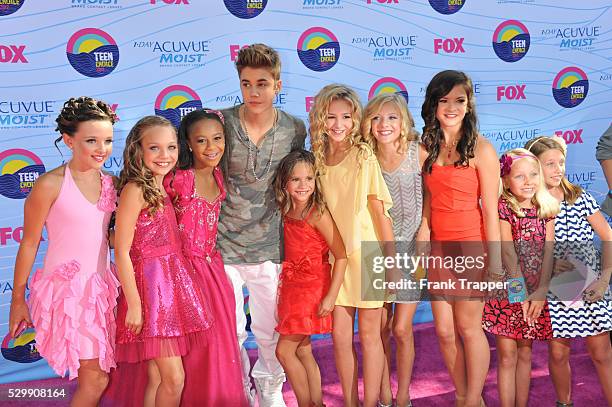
(257, 136)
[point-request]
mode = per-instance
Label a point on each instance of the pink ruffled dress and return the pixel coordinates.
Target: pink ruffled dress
(213, 375)
(73, 297)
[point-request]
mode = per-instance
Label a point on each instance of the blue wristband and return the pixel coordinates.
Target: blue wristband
(516, 290)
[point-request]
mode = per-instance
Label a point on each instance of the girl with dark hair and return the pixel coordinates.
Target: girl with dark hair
(461, 176)
(307, 290)
(197, 191)
(72, 298)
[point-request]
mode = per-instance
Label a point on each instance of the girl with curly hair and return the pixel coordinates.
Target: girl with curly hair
(358, 200)
(461, 176)
(73, 296)
(162, 312)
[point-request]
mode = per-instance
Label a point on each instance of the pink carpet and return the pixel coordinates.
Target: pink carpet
(431, 385)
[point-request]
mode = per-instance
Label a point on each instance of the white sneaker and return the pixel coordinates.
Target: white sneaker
(270, 392)
(250, 394)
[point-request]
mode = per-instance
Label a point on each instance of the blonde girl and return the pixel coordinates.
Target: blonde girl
(526, 212)
(388, 128)
(576, 224)
(358, 200)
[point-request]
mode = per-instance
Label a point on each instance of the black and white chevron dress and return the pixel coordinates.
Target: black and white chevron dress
(574, 235)
(406, 189)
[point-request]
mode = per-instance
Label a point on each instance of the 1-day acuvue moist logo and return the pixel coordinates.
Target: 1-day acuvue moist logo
(92, 52)
(447, 6)
(176, 101)
(511, 41)
(570, 87)
(388, 85)
(245, 9)
(10, 6)
(318, 49)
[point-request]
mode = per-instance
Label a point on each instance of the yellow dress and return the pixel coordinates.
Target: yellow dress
(346, 187)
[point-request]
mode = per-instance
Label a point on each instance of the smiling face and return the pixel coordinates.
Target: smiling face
(452, 108)
(91, 144)
(207, 142)
(159, 149)
(553, 164)
(387, 124)
(524, 179)
(339, 121)
(258, 89)
(301, 184)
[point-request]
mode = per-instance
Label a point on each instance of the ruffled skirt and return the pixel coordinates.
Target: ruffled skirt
(74, 316)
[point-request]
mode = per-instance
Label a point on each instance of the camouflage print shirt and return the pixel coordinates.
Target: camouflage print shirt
(249, 222)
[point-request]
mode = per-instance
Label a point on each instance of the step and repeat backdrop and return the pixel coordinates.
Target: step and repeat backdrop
(540, 67)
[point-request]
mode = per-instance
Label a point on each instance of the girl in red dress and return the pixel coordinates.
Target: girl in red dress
(307, 290)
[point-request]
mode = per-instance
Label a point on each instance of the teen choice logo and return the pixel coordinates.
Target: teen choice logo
(388, 85)
(515, 286)
(21, 349)
(10, 6)
(318, 49)
(447, 6)
(176, 101)
(244, 8)
(92, 52)
(19, 169)
(570, 87)
(511, 41)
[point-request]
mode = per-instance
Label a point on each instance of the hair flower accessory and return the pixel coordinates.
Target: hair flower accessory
(215, 112)
(505, 162)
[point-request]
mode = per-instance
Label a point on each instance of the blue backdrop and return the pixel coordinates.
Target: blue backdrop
(540, 67)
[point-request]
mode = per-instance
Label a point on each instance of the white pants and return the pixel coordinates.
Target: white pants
(262, 282)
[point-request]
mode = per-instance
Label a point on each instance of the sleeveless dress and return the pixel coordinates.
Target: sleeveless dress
(500, 317)
(304, 280)
(213, 374)
(175, 312)
(346, 187)
(457, 229)
(406, 189)
(176, 315)
(574, 235)
(72, 298)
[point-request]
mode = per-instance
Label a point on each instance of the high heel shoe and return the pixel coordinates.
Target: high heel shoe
(570, 404)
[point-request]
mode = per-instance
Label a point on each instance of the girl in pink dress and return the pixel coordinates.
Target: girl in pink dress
(197, 192)
(72, 298)
(162, 313)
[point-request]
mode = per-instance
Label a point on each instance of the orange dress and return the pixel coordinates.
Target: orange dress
(304, 280)
(457, 231)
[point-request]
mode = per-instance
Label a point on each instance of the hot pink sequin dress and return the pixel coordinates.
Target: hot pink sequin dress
(73, 297)
(213, 375)
(175, 312)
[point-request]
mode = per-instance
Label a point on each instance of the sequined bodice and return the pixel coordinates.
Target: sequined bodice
(155, 234)
(197, 218)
